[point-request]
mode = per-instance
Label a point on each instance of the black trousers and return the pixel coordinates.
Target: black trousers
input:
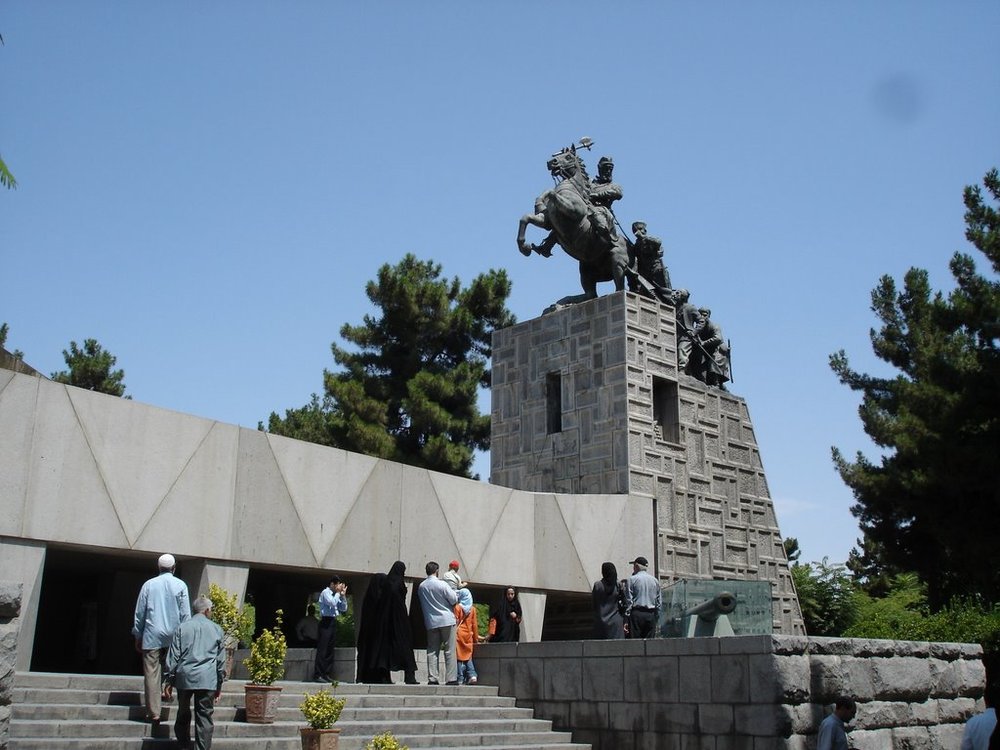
(204, 707)
(325, 642)
(642, 624)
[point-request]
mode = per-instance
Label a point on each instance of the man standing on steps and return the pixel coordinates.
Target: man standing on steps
(196, 664)
(437, 601)
(332, 604)
(161, 607)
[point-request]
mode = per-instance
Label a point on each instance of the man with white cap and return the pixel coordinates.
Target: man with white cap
(162, 605)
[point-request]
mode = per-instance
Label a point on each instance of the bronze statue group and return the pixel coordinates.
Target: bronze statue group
(579, 215)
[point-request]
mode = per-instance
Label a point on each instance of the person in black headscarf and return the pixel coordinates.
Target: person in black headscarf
(609, 615)
(385, 643)
(508, 618)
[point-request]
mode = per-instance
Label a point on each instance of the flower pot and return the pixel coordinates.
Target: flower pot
(320, 739)
(261, 703)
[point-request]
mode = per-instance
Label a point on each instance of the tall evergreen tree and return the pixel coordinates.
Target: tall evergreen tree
(408, 388)
(90, 368)
(931, 504)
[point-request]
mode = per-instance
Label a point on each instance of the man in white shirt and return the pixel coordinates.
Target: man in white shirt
(332, 604)
(162, 605)
(437, 601)
(979, 728)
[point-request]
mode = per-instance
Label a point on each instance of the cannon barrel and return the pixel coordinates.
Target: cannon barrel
(721, 604)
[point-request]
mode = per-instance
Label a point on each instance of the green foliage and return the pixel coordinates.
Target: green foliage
(407, 389)
(385, 741)
(6, 178)
(90, 368)
(4, 330)
(482, 619)
(322, 709)
(346, 626)
(237, 623)
(827, 597)
(929, 505)
(266, 662)
(903, 614)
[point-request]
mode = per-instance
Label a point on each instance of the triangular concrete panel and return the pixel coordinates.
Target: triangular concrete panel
(17, 411)
(5, 377)
(203, 492)
(515, 525)
(422, 511)
(67, 496)
(557, 553)
(141, 452)
(471, 517)
(266, 525)
(369, 538)
(324, 483)
(594, 523)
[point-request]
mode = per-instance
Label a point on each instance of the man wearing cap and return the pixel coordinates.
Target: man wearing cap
(162, 605)
(452, 576)
(645, 591)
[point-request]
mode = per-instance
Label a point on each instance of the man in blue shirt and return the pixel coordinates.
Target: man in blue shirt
(161, 607)
(979, 728)
(437, 601)
(832, 733)
(332, 604)
(196, 663)
(644, 592)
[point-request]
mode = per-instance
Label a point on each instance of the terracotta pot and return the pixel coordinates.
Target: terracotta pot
(320, 739)
(261, 703)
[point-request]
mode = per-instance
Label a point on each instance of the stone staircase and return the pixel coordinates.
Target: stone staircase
(71, 711)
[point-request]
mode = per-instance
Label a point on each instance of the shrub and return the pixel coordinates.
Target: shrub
(237, 623)
(322, 709)
(266, 662)
(385, 741)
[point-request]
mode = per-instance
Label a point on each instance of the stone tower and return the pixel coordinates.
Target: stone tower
(588, 399)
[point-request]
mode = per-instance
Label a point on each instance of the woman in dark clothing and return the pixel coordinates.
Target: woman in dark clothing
(609, 620)
(508, 618)
(385, 643)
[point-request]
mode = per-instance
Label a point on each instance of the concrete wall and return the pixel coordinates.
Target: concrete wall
(748, 693)
(87, 470)
(713, 512)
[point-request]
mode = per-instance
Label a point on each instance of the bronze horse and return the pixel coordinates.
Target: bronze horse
(583, 229)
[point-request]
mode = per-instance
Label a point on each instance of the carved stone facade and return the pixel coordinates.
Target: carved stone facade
(588, 399)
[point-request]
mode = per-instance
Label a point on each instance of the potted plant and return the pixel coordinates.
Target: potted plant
(322, 710)
(236, 622)
(385, 741)
(265, 664)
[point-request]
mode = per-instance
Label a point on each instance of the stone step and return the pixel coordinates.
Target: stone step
(435, 712)
(62, 711)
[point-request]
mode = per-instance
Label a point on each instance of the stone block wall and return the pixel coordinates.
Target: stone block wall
(749, 692)
(10, 611)
(613, 358)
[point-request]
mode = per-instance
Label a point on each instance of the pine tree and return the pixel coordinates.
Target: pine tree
(408, 389)
(931, 504)
(90, 368)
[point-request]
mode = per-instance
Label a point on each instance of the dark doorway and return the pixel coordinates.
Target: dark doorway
(85, 611)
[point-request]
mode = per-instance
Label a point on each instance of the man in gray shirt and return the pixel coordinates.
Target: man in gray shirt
(437, 601)
(195, 666)
(645, 591)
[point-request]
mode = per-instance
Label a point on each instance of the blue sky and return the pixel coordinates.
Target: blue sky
(205, 188)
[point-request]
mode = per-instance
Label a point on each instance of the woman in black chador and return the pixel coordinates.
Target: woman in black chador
(508, 618)
(609, 621)
(385, 643)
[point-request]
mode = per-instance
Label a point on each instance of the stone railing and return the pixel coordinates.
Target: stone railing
(776, 690)
(10, 610)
